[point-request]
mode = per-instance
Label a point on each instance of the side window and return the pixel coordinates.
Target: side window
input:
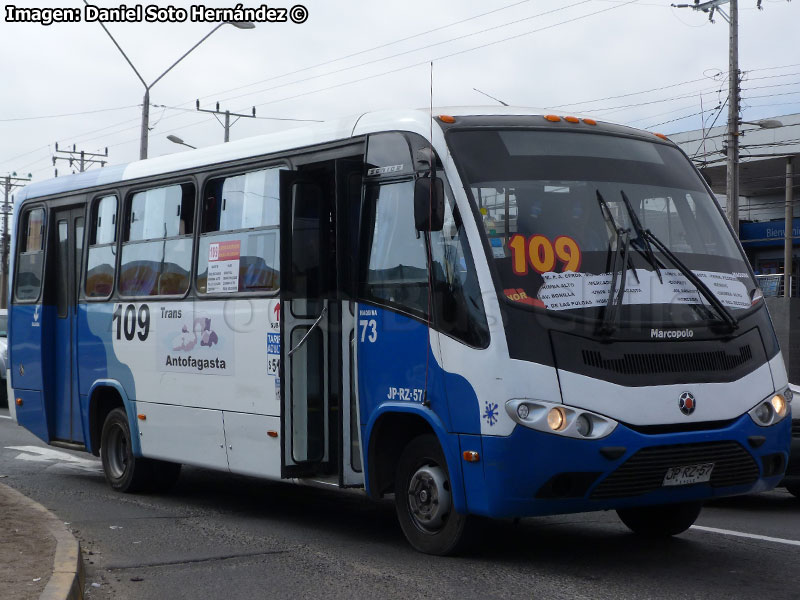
(31, 255)
(102, 258)
(458, 303)
(397, 270)
(157, 242)
(239, 241)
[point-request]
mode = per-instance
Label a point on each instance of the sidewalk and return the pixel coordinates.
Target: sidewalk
(39, 557)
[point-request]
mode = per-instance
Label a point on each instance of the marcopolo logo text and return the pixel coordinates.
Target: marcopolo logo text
(671, 334)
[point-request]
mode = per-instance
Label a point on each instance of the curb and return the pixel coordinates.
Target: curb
(67, 580)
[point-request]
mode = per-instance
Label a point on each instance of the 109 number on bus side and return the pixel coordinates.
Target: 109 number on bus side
(130, 322)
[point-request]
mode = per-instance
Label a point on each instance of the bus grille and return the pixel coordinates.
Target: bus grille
(796, 428)
(644, 471)
(670, 362)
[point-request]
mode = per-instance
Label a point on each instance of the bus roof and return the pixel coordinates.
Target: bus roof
(417, 121)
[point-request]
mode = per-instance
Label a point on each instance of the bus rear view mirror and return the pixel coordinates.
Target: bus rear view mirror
(429, 204)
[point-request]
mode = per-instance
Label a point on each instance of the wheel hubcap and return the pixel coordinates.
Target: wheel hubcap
(117, 452)
(429, 498)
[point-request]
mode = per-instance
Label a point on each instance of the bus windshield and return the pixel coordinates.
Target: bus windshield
(560, 208)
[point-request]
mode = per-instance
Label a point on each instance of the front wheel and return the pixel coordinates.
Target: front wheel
(124, 472)
(660, 521)
(424, 502)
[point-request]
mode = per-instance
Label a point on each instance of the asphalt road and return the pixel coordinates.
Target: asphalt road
(224, 536)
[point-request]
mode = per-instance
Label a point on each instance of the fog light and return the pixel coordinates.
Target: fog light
(764, 412)
(523, 411)
(779, 405)
(556, 419)
(583, 425)
(788, 394)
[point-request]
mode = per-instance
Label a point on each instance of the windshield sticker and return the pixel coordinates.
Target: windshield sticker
(541, 254)
(519, 295)
(497, 247)
(564, 291)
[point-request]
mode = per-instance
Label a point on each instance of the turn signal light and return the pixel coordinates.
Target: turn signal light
(19, 401)
(273, 434)
(471, 456)
(142, 417)
(447, 119)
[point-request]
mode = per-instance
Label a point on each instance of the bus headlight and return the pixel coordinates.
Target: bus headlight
(556, 419)
(770, 411)
(560, 419)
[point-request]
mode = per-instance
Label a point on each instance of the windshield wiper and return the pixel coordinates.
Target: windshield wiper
(647, 237)
(615, 296)
(718, 306)
(641, 236)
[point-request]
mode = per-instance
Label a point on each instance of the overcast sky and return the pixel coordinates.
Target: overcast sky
(573, 59)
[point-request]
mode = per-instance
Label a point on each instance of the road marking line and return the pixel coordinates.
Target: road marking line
(752, 536)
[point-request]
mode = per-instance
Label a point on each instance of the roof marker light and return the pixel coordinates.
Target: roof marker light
(553, 118)
(572, 119)
(590, 121)
(447, 119)
(661, 135)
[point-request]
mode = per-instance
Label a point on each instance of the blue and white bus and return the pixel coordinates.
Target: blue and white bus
(484, 312)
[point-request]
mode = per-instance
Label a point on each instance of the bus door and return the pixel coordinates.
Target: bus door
(62, 284)
(306, 212)
(349, 173)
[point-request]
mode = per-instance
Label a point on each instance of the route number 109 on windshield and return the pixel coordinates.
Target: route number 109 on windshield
(540, 254)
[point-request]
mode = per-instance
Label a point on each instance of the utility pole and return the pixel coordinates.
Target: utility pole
(227, 114)
(734, 77)
(732, 187)
(83, 159)
(10, 182)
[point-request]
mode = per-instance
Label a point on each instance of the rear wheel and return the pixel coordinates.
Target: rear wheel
(124, 472)
(423, 500)
(660, 521)
(794, 489)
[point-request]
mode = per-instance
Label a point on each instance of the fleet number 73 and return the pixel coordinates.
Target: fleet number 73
(372, 326)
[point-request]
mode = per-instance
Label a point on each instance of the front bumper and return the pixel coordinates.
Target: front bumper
(531, 473)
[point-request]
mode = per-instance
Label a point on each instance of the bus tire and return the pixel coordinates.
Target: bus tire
(165, 475)
(124, 472)
(794, 489)
(423, 500)
(660, 521)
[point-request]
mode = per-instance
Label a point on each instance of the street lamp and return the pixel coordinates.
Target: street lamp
(147, 88)
(764, 123)
(176, 140)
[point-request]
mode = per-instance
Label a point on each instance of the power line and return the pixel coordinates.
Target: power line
(75, 114)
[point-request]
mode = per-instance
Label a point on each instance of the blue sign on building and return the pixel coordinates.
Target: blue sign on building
(770, 233)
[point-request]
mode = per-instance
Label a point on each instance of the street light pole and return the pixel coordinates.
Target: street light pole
(146, 100)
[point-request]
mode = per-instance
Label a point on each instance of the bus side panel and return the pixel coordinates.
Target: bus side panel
(97, 361)
(191, 436)
(395, 360)
(31, 413)
(26, 358)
